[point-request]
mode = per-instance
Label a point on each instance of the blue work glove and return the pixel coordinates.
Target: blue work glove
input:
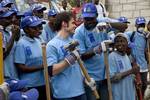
(72, 57)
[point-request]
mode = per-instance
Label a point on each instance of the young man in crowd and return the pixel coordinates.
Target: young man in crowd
(137, 42)
(67, 79)
(48, 33)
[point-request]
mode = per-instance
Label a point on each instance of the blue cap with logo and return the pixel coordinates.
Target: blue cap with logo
(123, 19)
(31, 21)
(15, 85)
(52, 12)
(89, 10)
(31, 94)
(4, 3)
(140, 20)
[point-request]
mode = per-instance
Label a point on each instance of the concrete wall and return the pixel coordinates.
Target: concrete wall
(128, 8)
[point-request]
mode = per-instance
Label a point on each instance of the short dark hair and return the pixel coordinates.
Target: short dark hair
(60, 17)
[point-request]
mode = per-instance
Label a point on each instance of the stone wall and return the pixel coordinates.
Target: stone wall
(128, 8)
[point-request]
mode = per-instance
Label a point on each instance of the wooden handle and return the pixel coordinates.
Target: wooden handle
(46, 71)
(87, 76)
(1, 59)
(108, 75)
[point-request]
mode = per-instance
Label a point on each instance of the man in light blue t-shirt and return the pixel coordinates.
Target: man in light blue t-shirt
(137, 41)
(48, 33)
(67, 80)
(90, 48)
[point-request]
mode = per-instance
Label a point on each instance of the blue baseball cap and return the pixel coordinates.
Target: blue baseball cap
(8, 13)
(52, 12)
(31, 21)
(140, 20)
(4, 3)
(89, 10)
(38, 8)
(123, 20)
(15, 85)
(31, 94)
(28, 12)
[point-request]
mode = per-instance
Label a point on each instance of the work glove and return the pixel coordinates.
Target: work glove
(102, 46)
(72, 57)
(91, 84)
(147, 34)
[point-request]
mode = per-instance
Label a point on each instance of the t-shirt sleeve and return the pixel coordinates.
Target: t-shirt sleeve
(52, 55)
(112, 65)
(20, 56)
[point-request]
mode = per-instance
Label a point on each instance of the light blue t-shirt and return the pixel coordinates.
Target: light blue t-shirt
(88, 40)
(69, 82)
(10, 71)
(124, 89)
(138, 51)
(47, 33)
(29, 52)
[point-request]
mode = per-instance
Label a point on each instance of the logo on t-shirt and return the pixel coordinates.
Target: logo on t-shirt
(28, 51)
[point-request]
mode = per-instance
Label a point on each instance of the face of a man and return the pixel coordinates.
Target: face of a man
(64, 4)
(35, 31)
(96, 1)
(90, 22)
(71, 26)
(39, 13)
(8, 20)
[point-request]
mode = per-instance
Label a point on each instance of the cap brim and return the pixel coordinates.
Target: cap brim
(126, 22)
(89, 15)
(52, 14)
(43, 8)
(20, 14)
(31, 94)
(9, 13)
(142, 22)
(37, 23)
(6, 4)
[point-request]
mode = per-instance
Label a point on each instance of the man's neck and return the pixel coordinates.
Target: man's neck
(63, 34)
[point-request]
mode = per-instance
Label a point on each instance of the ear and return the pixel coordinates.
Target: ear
(64, 24)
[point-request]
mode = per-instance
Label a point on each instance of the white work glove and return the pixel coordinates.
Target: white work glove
(102, 46)
(146, 34)
(100, 27)
(91, 84)
(72, 57)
